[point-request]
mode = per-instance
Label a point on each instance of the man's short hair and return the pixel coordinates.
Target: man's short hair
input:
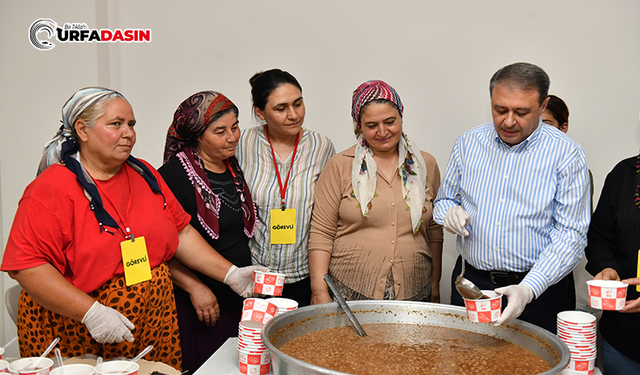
(522, 76)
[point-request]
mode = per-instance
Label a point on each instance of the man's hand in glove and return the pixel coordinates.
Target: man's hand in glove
(456, 219)
(518, 296)
(241, 279)
(106, 325)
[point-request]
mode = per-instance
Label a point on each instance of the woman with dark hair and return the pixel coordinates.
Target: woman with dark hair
(282, 162)
(612, 254)
(372, 227)
(202, 172)
(556, 114)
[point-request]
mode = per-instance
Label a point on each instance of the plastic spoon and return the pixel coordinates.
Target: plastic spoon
(144, 352)
(59, 359)
(344, 306)
(31, 366)
(466, 288)
(98, 364)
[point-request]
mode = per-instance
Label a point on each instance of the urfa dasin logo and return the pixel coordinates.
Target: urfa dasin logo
(80, 33)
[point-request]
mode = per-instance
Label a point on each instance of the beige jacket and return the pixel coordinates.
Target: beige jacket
(364, 250)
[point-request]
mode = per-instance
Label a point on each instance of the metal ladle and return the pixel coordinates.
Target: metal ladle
(466, 288)
(344, 306)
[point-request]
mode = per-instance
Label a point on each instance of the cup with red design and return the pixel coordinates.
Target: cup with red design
(283, 304)
(268, 283)
(258, 310)
(485, 310)
(4, 366)
(582, 366)
(254, 363)
(607, 294)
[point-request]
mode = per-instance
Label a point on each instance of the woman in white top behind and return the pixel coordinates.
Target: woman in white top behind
(282, 162)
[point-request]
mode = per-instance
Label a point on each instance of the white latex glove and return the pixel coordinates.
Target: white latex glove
(106, 325)
(241, 279)
(456, 219)
(518, 296)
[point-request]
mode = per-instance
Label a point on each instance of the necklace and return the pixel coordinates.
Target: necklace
(637, 198)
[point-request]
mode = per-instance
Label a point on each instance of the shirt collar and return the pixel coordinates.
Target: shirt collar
(527, 143)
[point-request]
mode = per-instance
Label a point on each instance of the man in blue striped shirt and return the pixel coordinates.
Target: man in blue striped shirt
(518, 190)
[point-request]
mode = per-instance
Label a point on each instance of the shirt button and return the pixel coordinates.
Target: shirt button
(389, 185)
(498, 224)
(393, 223)
(398, 282)
(495, 248)
(393, 242)
(391, 261)
(501, 200)
(506, 176)
(393, 203)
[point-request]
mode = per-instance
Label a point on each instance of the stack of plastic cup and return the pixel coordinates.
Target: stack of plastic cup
(578, 330)
(253, 356)
(283, 304)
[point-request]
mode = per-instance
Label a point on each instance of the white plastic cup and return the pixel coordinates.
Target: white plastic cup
(1, 352)
(4, 366)
(120, 367)
(576, 319)
(75, 369)
(607, 294)
(484, 310)
(268, 283)
(19, 366)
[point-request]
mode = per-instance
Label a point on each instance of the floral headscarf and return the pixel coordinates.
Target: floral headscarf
(190, 120)
(411, 165)
(64, 149)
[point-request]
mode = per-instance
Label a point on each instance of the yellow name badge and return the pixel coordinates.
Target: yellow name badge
(283, 226)
(135, 261)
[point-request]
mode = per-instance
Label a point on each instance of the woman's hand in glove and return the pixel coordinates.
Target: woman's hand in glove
(241, 279)
(106, 325)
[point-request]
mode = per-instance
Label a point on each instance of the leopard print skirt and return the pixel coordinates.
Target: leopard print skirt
(149, 305)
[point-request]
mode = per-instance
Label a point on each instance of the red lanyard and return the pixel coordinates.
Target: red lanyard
(283, 190)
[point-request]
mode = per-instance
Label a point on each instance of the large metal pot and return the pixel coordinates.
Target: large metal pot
(292, 324)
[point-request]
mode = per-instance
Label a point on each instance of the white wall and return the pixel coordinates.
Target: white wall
(439, 55)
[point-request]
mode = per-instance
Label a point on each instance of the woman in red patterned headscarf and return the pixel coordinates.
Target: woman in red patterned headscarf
(372, 229)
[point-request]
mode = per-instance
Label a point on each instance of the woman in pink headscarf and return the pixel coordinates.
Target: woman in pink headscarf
(372, 229)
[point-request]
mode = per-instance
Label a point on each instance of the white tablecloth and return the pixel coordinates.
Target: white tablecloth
(224, 361)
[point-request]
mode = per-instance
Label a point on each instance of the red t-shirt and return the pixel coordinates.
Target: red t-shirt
(54, 224)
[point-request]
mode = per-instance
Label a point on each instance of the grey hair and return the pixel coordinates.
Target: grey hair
(523, 76)
(90, 115)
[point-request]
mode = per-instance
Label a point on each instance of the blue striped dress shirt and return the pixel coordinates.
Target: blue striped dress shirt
(529, 203)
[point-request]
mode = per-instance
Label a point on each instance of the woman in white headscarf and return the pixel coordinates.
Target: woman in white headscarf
(372, 229)
(91, 239)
